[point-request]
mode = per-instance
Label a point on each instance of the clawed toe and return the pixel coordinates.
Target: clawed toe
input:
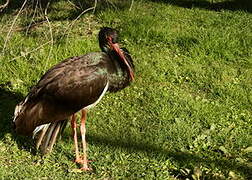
(79, 161)
(82, 161)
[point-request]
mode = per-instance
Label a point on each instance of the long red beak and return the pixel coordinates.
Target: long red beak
(116, 47)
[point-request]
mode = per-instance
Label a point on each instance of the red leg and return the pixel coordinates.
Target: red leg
(83, 137)
(74, 126)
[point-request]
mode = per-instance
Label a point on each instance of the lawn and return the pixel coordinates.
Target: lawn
(188, 113)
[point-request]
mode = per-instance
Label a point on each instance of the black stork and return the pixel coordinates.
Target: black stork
(75, 84)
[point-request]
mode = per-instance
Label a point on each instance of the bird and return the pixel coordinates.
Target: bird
(74, 85)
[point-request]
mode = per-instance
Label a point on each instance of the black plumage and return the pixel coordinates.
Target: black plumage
(75, 84)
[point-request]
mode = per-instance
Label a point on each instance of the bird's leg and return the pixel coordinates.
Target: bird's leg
(74, 126)
(83, 137)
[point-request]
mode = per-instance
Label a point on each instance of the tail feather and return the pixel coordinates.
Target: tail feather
(48, 135)
(39, 128)
(40, 137)
(36, 118)
(53, 138)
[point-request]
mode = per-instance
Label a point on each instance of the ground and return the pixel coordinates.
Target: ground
(188, 113)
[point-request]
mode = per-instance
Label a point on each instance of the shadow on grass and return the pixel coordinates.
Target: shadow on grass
(182, 158)
(78, 6)
(232, 5)
(8, 101)
(81, 5)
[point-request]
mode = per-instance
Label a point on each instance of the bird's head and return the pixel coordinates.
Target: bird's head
(108, 41)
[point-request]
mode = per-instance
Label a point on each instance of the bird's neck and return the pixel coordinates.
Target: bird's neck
(119, 77)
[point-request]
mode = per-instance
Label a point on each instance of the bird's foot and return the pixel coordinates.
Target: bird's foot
(79, 160)
(82, 161)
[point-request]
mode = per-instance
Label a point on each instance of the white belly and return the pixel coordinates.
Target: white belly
(98, 100)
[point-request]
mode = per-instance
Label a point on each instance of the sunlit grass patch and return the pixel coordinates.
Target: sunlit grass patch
(187, 115)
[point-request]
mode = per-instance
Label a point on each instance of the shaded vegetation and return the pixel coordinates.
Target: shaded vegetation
(215, 5)
(187, 115)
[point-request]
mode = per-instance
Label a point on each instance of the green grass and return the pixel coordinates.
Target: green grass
(187, 115)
